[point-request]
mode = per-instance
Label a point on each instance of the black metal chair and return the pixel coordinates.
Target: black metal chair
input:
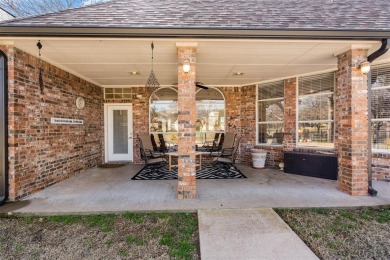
(155, 163)
(164, 146)
(153, 140)
(148, 147)
(225, 163)
(225, 146)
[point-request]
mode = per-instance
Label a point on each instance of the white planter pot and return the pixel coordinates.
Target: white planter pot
(258, 158)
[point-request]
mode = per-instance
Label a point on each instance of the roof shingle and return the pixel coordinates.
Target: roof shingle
(351, 15)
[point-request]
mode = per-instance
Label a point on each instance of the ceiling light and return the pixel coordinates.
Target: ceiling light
(238, 73)
(152, 84)
(135, 73)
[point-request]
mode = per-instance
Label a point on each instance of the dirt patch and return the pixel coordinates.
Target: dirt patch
(342, 233)
(126, 236)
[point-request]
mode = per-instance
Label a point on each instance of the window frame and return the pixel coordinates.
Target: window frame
(386, 119)
(258, 123)
(150, 106)
(320, 147)
(224, 109)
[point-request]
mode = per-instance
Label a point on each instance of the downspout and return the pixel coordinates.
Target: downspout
(382, 50)
(3, 128)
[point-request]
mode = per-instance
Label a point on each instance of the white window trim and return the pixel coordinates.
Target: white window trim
(375, 150)
(319, 147)
(267, 122)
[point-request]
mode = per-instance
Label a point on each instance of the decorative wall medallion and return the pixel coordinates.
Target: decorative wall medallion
(80, 103)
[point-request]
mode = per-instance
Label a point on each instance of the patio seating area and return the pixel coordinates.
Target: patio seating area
(111, 189)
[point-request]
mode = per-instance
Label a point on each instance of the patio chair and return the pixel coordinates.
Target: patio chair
(227, 162)
(164, 146)
(215, 145)
(150, 152)
(155, 163)
(224, 147)
(154, 144)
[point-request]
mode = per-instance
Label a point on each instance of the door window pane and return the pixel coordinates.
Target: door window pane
(120, 132)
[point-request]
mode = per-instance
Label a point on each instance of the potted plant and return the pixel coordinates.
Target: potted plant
(281, 165)
(258, 158)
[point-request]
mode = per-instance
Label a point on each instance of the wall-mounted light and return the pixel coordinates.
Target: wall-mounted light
(186, 66)
(365, 67)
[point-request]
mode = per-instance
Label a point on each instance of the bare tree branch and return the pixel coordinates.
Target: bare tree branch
(23, 8)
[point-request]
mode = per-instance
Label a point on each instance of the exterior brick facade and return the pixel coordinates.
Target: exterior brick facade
(290, 114)
(381, 166)
(248, 122)
(187, 132)
(41, 153)
(352, 123)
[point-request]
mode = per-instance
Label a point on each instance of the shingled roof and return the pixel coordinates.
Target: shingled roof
(348, 15)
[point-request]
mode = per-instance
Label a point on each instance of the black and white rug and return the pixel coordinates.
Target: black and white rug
(208, 171)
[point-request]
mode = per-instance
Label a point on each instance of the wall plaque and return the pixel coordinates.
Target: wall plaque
(66, 121)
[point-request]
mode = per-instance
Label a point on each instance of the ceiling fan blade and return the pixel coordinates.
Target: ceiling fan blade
(198, 84)
(201, 86)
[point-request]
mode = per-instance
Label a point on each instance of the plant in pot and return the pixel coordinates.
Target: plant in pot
(281, 165)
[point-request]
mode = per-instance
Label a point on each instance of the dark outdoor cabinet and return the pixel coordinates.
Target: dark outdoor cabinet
(311, 164)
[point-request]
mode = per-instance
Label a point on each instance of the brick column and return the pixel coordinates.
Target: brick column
(290, 114)
(187, 116)
(351, 143)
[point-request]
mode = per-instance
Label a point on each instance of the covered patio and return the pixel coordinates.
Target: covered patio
(292, 86)
(106, 190)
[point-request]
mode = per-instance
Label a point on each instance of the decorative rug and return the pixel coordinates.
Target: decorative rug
(111, 165)
(208, 171)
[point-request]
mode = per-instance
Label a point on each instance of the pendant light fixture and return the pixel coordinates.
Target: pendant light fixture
(152, 84)
(40, 78)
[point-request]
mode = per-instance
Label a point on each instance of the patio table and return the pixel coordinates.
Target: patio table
(171, 154)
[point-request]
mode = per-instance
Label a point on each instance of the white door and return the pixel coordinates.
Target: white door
(119, 132)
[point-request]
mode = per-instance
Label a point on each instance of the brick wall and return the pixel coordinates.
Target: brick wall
(351, 119)
(186, 123)
(248, 122)
(381, 166)
(41, 153)
(290, 114)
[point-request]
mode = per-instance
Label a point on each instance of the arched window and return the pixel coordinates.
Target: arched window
(211, 118)
(163, 114)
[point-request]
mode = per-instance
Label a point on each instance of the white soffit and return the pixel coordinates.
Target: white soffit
(107, 62)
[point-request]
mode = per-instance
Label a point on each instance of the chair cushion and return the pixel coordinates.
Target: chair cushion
(222, 159)
(156, 160)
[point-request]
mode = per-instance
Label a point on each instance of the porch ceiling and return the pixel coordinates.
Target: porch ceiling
(108, 62)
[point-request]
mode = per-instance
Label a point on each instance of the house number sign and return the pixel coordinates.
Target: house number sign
(66, 121)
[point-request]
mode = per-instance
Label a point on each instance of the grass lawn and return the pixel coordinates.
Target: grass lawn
(108, 236)
(342, 233)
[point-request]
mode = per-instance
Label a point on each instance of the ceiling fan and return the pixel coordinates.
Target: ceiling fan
(198, 84)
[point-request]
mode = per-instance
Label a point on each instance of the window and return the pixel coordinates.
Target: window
(118, 93)
(163, 114)
(210, 109)
(380, 107)
(270, 113)
(315, 111)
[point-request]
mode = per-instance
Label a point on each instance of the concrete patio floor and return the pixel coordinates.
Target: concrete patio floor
(111, 190)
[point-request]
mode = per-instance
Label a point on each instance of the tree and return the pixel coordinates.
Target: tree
(23, 8)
